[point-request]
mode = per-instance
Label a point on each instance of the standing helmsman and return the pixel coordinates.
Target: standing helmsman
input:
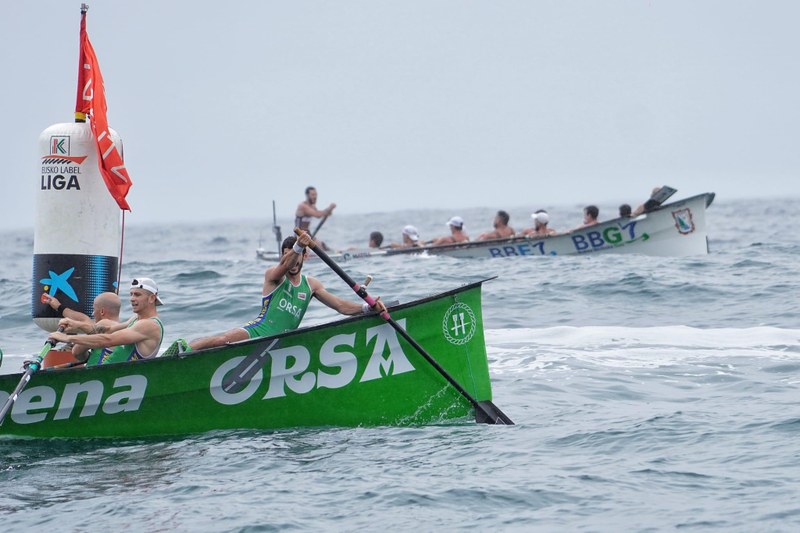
(307, 209)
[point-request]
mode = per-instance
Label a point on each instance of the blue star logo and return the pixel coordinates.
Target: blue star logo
(59, 282)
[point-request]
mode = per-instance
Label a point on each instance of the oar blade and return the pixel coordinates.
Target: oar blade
(491, 414)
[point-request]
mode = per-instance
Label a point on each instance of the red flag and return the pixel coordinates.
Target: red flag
(91, 103)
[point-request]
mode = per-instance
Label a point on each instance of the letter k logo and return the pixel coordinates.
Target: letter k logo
(58, 146)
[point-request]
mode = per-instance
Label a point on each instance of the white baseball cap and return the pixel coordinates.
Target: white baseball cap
(148, 285)
(541, 217)
(456, 221)
(412, 233)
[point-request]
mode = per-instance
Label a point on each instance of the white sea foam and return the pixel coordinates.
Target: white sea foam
(519, 350)
(679, 336)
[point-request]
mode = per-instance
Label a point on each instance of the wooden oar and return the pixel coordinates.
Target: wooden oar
(31, 369)
(485, 412)
(71, 364)
(321, 222)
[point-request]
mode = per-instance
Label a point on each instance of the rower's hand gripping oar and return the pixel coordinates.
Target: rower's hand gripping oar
(33, 367)
(485, 411)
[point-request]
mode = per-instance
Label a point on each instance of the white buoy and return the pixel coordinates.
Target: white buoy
(76, 242)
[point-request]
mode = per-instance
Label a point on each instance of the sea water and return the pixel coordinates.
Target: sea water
(648, 393)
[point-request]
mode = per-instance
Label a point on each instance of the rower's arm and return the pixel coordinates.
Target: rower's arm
(310, 210)
(274, 276)
(141, 331)
(345, 307)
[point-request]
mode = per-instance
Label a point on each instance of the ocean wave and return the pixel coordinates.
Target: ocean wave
(677, 336)
(524, 349)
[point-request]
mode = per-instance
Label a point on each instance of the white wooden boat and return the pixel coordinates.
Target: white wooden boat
(676, 229)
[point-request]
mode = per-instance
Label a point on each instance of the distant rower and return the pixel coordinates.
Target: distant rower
(308, 209)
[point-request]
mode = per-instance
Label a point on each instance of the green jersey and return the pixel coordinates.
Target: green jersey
(282, 309)
(96, 354)
(122, 353)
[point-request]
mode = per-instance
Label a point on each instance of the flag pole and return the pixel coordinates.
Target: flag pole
(80, 114)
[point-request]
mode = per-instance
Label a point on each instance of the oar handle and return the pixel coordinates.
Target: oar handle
(361, 290)
(49, 344)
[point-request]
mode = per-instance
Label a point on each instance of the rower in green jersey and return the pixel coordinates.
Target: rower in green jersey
(285, 296)
(282, 309)
(138, 338)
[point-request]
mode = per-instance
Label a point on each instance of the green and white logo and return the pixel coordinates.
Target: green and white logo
(459, 324)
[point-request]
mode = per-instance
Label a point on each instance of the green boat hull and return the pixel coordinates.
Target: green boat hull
(354, 372)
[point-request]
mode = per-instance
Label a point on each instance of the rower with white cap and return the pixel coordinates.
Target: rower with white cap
(457, 234)
(539, 229)
(138, 338)
(410, 238)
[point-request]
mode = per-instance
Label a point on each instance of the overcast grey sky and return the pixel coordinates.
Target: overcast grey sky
(385, 105)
